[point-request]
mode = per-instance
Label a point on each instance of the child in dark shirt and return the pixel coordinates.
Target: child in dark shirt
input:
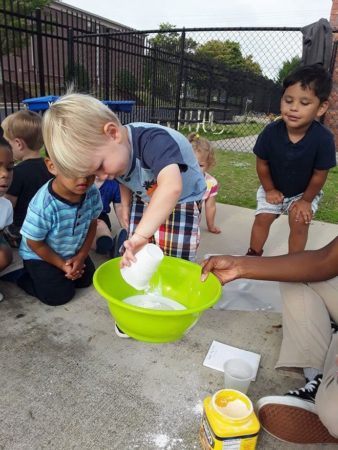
(294, 155)
(23, 132)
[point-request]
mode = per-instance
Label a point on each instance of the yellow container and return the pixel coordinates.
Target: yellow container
(229, 422)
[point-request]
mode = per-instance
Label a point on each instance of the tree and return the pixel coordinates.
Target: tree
(170, 41)
(161, 70)
(229, 54)
(126, 83)
(288, 67)
(15, 14)
(79, 77)
(17, 9)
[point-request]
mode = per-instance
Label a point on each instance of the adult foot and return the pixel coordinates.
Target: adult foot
(292, 419)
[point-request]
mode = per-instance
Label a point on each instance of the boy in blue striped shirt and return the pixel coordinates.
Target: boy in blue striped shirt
(56, 238)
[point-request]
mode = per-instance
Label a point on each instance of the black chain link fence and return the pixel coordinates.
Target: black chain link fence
(224, 83)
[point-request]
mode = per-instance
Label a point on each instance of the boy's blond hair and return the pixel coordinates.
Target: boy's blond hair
(203, 147)
(72, 128)
(25, 125)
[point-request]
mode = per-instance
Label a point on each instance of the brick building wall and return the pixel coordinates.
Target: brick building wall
(331, 118)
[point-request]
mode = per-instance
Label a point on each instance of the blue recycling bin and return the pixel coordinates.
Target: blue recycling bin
(38, 104)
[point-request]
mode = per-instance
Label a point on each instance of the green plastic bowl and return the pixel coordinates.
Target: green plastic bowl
(177, 279)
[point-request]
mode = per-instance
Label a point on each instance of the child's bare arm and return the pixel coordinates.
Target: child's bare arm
(47, 254)
(118, 208)
(125, 206)
(12, 199)
(163, 201)
(210, 213)
(316, 183)
(77, 261)
(273, 195)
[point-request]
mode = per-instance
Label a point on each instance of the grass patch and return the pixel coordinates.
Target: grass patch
(236, 174)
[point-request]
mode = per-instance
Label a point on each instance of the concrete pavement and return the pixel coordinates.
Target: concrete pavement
(68, 382)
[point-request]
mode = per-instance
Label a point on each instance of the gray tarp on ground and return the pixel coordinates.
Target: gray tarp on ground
(317, 43)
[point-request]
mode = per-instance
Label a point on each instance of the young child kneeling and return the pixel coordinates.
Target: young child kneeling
(56, 238)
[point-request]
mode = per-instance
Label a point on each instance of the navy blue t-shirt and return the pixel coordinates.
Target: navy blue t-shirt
(154, 147)
(292, 165)
(110, 193)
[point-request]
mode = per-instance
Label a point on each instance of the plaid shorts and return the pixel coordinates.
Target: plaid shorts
(282, 208)
(179, 236)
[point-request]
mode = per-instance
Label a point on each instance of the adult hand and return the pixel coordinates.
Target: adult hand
(225, 268)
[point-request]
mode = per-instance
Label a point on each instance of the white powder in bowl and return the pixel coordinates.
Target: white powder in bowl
(154, 301)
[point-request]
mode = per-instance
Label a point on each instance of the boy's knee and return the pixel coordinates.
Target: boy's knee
(265, 218)
(6, 257)
(56, 297)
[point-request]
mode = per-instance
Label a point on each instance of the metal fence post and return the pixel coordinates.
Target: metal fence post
(153, 81)
(106, 78)
(179, 81)
(70, 55)
(40, 52)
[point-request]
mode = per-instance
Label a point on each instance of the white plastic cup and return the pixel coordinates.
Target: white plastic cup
(140, 272)
(238, 374)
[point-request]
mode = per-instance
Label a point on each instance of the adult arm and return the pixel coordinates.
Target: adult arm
(307, 266)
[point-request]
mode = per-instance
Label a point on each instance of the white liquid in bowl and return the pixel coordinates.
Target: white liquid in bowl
(154, 301)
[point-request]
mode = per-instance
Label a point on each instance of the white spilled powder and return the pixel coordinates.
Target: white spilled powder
(163, 441)
(198, 408)
(154, 301)
(235, 409)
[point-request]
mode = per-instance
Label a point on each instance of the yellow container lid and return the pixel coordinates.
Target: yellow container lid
(230, 414)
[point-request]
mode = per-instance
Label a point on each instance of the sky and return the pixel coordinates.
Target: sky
(149, 14)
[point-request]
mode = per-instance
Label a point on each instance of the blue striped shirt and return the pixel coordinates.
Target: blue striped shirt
(61, 224)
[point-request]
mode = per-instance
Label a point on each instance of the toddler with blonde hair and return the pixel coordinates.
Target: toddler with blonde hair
(206, 158)
(160, 181)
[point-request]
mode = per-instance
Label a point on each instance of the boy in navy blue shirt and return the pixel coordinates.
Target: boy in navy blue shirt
(294, 155)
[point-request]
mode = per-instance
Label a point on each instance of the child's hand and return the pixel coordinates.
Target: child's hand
(214, 229)
(132, 246)
(274, 196)
(302, 211)
(68, 270)
(76, 265)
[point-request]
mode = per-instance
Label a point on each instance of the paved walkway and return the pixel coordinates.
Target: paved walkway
(239, 144)
(68, 382)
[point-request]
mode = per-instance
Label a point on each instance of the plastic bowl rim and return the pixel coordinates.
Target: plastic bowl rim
(157, 312)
